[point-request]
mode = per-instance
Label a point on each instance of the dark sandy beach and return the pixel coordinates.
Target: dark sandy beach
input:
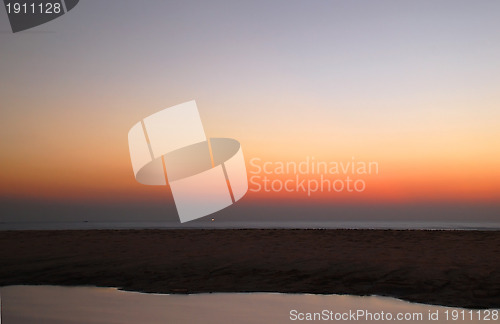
(453, 268)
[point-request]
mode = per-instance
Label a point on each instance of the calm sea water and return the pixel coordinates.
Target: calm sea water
(261, 224)
(52, 304)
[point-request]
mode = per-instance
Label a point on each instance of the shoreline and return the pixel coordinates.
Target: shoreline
(448, 268)
(376, 226)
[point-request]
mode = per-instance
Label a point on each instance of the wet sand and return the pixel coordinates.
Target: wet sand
(452, 268)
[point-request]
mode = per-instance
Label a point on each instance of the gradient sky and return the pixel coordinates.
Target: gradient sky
(413, 85)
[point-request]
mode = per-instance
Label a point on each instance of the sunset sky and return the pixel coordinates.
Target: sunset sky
(412, 85)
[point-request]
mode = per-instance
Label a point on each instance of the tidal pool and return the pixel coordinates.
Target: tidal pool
(54, 304)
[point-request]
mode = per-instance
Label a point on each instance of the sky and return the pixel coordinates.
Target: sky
(411, 85)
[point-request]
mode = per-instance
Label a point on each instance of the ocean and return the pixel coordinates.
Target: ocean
(207, 224)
